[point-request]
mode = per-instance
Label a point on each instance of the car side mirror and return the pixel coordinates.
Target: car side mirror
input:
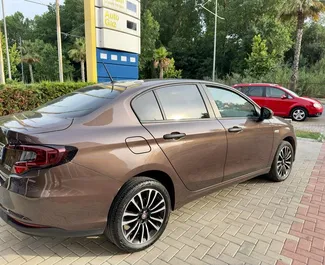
(284, 97)
(265, 114)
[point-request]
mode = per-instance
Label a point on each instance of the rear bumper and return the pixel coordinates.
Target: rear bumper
(45, 231)
(54, 202)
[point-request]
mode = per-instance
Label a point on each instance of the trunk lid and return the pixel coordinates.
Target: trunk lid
(34, 122)
(19, 129)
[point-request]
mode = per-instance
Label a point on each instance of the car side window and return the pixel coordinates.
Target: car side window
(255, 91)
(182, 102)
(146, 108)
(272, 92)
(232, 105)
(252, 91)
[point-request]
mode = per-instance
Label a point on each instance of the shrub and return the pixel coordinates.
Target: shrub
(17, 97)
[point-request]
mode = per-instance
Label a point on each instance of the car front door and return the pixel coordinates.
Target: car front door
(249, 142)
(279, 101)
(186, 131)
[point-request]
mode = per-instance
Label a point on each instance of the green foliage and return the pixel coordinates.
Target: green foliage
(171, 71)
(161, 61)
(150, 35)
(17, 97)
(78, 52)
(260, 61)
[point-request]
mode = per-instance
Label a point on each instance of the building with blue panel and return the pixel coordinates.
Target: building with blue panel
(121, 65)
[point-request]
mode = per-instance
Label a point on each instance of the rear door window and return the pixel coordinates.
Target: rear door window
(253, 91)
(146, 108)
(182, 102)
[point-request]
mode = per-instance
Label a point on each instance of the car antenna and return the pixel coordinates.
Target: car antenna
(109, 75)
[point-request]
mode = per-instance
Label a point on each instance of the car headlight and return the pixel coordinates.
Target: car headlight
(318, 105)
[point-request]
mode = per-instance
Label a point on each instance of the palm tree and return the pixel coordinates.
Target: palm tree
(30, 56)
(300, 10)
(161, 61)
(78, 54)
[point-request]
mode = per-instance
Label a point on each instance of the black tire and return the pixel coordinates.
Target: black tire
(299, 114)
(276, 174)
(118, 234)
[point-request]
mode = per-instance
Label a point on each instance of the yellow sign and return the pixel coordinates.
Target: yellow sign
(111, 19)
(115, 4)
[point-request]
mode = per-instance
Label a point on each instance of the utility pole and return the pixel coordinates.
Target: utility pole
(215, 33)
(21, 60)
(6, 36)
(58, 31)
(2, 72)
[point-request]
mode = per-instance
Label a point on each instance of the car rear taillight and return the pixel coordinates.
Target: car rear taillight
(29, 157)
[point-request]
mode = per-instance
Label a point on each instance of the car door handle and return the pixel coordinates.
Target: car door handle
(174, 136)
(235, 129)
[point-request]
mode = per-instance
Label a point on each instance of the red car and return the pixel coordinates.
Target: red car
(283, 102)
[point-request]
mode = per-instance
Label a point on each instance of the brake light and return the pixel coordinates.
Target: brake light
(38, 157)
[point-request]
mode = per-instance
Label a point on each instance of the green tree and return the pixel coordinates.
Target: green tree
(161, 61)
(150, 35)
(30, 56)
(78, 54)
(313, 44)
(300, 10)
(171, 71)
(260, 61)
(50, 71)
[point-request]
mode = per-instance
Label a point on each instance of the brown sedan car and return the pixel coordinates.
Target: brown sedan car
(115, 159)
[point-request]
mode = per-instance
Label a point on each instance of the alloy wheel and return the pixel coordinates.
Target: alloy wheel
(143, 217)
(299, 115)
(284, 163)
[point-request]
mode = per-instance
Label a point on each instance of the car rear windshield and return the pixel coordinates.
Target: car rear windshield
(81, 102)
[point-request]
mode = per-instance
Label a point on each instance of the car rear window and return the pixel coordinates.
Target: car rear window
(81, 102)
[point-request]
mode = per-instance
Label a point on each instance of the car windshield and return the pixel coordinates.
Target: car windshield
(81, 102)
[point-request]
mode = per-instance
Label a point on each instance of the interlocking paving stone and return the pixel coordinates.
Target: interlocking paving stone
(309, 249)
(256, 222)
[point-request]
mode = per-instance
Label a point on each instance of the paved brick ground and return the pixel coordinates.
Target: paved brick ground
(244, 224)
(310, 249)
(311, 127)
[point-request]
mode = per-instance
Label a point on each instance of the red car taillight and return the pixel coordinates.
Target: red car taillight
(38, 157)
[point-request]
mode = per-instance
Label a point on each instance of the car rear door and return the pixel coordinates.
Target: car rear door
(256, 93)
(250, 142)
(192, 139)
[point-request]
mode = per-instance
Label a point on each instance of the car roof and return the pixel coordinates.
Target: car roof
(258, 84)
(131, 86)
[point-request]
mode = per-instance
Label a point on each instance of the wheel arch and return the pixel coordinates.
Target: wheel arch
(299, 107)
(164, 179)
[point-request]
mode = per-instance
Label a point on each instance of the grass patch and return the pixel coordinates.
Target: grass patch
(309, 135)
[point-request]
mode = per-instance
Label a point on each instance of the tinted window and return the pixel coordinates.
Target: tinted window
(81, 102)
(230, 104)
(272, 92)
(254, 91)
(131, 25)
(182, 102)
(146, 108)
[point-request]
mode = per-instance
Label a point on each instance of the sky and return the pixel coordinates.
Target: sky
(28, 9)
